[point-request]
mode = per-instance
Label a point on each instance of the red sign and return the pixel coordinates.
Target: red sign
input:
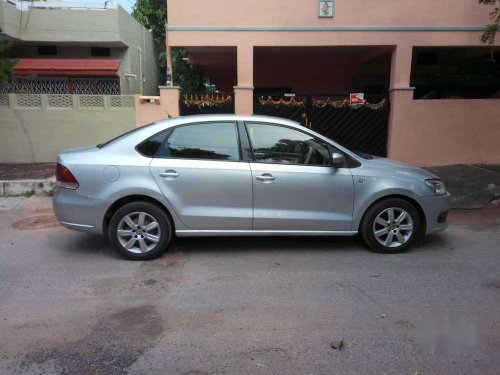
(357, 98)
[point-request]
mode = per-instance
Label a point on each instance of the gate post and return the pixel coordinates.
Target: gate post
(401, 95)
(243, 100)
(243, 92)
(169, 100)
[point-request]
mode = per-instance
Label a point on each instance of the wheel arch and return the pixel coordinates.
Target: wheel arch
(129, 199)
(406, 198)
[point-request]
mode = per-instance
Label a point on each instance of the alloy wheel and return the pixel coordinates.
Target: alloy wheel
(138, 232)
(393, 227)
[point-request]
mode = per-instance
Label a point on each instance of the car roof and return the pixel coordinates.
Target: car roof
(225, 117)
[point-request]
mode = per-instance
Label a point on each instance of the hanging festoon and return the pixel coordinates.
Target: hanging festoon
(282, 102)
(346, 103)
(207, 100)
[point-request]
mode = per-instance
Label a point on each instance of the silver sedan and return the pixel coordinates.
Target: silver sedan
(228, 175)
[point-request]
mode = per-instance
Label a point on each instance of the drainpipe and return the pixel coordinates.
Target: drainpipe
(139, 50)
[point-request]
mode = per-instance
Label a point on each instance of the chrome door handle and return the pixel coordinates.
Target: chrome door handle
(169, 173)
(266, 177)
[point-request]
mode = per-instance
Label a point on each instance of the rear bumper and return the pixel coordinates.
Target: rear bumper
(435, 209)
(78, 212)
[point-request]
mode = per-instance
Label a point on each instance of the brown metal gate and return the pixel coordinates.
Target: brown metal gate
(361, 127)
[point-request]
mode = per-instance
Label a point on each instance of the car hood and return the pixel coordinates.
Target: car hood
(400, 168)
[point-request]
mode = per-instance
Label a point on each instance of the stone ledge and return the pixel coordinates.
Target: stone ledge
(42, 187)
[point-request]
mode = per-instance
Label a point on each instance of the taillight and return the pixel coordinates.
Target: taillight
(65, 178)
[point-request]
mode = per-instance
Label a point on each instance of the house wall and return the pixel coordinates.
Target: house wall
(421, 132)
(440, 132)
(305, 13)
(35, 128)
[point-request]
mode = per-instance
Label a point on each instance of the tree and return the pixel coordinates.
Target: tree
(6, 65)
(153, 15)
(488, 36)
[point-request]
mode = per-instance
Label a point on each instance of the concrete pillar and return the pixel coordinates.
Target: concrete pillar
(243, 93)
(169, 100)
(401, 66)
(400, 93)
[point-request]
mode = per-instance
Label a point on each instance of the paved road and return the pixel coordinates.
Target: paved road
(69, 305)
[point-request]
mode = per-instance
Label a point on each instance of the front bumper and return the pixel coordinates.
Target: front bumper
(435, 209)
(78, 212)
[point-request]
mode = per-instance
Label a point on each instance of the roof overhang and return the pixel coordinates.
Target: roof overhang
(67, 67)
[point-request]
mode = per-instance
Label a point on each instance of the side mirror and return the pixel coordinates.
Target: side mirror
(338, 160)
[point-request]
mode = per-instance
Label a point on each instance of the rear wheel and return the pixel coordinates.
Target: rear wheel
(391, 226)
(140, 231)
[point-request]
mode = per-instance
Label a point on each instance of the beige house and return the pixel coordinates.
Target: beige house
(78, 48)
(431, 89)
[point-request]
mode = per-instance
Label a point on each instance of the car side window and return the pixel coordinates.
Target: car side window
(150, 146)
(210, 141)
(283, 145)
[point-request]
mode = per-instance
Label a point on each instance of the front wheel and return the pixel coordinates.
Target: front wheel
(391, 226)
(140, 231)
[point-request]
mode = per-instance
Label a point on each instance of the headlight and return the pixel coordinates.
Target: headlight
(436, 186)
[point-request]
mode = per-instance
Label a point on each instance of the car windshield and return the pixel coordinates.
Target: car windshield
(101, 145)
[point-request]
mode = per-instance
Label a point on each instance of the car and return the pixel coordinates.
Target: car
(234, 175)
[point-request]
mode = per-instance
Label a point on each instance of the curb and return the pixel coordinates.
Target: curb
(42, 187)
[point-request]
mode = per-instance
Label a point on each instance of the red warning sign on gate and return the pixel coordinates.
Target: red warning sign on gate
(357, 98)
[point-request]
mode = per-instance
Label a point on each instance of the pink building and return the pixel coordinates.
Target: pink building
(432, 90)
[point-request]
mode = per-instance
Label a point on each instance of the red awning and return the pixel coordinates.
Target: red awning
(67, 67)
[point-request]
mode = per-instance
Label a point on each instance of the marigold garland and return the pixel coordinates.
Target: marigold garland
(328, 102)
(292, 102)
(207, 100)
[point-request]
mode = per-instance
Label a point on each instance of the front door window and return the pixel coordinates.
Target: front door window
(278, 144)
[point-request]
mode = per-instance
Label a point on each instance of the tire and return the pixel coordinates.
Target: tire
(140, 243)
(393, 237)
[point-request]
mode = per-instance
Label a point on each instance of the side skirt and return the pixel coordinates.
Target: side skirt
(216, 233)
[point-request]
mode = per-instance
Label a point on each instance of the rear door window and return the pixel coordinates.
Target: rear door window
(206, 141)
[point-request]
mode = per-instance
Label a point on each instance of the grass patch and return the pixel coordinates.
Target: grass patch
(26, 194)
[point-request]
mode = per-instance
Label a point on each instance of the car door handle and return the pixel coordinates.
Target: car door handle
(266, 177)
(169, 173)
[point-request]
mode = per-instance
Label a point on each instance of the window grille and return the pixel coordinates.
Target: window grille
(62, 86)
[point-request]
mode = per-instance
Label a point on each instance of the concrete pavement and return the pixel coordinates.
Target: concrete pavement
(70, 305)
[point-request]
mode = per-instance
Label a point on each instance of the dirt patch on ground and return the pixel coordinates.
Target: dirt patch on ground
(30, 171)
(152, 277)
(36, 222)
(112, 346)
(487, 218)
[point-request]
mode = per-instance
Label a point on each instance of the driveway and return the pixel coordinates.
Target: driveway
(69, 305)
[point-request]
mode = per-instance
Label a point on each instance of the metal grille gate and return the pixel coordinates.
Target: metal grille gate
(197, 104)
(357, 127)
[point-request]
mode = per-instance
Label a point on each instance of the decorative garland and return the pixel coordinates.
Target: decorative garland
(328, 102)
(292, 102)
(207, 100)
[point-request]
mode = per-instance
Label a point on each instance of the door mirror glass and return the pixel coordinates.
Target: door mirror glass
(338, 160)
